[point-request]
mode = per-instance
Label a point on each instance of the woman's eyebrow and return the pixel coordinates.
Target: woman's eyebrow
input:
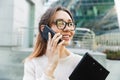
(59, 19)
(69, 20)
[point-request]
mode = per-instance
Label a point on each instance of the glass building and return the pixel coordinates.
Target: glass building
(97, 15)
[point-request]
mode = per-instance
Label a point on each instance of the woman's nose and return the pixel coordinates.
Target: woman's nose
(67, 28)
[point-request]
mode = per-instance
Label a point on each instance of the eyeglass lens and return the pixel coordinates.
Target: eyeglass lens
(62, 24)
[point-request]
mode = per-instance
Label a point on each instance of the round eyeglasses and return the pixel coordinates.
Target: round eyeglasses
(61, 24)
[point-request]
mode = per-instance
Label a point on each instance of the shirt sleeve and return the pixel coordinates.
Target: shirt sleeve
(45, 77)
(29, 72)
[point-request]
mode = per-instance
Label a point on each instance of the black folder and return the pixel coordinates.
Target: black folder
(89, 69)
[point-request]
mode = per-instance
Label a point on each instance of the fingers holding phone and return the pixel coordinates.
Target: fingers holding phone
(55, 39)
(45, 33)
(52, 38)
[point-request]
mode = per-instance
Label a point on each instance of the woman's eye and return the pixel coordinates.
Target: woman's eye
(60, 23)
(70, 24)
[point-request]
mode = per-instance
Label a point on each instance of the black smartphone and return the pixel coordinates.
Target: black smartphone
(45, 32)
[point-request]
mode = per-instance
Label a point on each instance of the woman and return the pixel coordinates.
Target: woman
(51, 60)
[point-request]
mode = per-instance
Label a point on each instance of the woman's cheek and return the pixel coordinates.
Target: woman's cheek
(73, 33)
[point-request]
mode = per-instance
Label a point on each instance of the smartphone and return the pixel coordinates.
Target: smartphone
(45, 32)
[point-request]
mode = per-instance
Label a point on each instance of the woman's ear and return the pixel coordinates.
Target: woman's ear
(41, 27)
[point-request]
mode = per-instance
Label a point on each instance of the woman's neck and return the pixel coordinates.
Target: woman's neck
(64, 52)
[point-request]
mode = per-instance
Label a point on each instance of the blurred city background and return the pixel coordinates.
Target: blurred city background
(97, 32)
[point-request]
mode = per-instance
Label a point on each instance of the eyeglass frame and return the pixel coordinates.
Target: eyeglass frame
(66, 23)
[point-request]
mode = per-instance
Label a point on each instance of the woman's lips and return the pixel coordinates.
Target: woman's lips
(66, 37)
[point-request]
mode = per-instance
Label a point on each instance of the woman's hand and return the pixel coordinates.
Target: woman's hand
(52, 52)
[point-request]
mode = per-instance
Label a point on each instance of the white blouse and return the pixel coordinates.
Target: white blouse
(34, 69)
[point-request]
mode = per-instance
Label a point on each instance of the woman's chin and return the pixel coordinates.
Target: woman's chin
(66, 43)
